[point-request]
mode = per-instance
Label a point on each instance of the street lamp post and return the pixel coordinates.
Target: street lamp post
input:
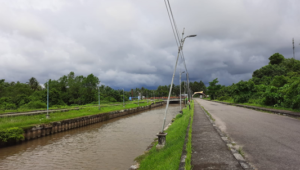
(138, 99)
(179, 49)
(48, 100)
(180, 89)
(154, 95)
(99, 96)
(123, 98)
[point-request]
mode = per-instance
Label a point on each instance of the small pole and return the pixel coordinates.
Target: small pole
(180, 90)
(48, 100)
(99, 97)
(123, 98)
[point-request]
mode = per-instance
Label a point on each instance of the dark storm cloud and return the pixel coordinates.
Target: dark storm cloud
(130, 44)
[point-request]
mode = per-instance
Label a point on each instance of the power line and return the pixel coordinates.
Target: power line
(176, 38)
(175, 30)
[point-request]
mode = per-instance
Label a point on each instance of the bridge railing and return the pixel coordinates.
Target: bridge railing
(165, 98)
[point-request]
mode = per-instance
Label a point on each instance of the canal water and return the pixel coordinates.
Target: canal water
(110, 145)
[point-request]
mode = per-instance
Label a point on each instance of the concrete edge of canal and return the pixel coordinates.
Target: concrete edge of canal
(43, 130)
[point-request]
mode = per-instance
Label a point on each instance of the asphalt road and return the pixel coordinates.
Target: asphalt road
(269, 141)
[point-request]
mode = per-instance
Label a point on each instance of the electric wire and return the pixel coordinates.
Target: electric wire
(175, 30)
(176, 38)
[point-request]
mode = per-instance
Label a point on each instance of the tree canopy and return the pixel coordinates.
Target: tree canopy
(276, 84)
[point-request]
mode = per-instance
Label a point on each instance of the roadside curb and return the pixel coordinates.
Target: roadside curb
(230, 145)
(279, 112)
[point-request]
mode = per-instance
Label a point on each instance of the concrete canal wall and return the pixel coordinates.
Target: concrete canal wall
(64, 125)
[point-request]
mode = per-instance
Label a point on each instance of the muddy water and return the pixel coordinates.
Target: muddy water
(110, 145)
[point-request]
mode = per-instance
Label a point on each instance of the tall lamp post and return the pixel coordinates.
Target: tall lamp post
(48, 100)
(99, 96)
(179, 49)
(180, 89)
(138, 98)
(154, 95)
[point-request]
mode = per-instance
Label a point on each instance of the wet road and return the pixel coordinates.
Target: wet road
(106, 145)
(270, 141)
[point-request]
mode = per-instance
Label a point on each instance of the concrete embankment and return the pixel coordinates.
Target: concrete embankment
(42, 130)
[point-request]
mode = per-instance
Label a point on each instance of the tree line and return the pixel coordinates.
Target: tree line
(74, 90)
(276, 84)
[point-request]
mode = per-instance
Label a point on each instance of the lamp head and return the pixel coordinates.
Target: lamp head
(192, 36)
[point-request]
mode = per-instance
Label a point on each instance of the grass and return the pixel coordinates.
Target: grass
(103, 104)
(241, 152)
(208, 113)
(26, 121)
(188, 160)
(168, 158)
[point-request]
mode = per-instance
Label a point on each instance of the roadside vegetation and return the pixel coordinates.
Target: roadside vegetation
(73, 91)
(276, 85)
(188, 160)
(169, 156)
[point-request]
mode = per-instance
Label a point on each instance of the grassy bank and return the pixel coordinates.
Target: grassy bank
(103, 104)
(188, 160)
(25, 121)
(168, 158)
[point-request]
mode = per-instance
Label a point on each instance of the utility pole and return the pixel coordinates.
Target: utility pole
(123, 98)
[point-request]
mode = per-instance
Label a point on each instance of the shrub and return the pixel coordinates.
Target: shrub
(35, 105)
(242, 98)
(224, 98)
(11, 134)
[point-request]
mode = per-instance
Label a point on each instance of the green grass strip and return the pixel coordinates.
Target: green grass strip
(27, 121)
(168, 158)
(103, 104)
(188, 160)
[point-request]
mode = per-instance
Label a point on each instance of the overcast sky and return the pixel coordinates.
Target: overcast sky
(130, 43)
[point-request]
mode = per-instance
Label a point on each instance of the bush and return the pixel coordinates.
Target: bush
(224, 98)
(242, 98)
(11, 134)
(35, 105)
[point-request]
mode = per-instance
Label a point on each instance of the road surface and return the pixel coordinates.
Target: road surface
(269, 141)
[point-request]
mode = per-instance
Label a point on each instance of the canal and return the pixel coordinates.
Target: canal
(110, 145)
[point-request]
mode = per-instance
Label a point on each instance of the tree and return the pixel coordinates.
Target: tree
(33, 83)
(213, 88)
(276, 59)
